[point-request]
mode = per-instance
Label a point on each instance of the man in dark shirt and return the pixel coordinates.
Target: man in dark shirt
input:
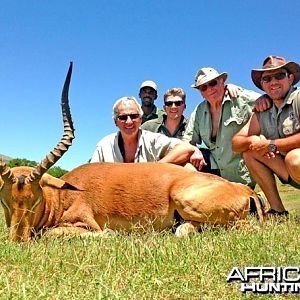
(148, 94)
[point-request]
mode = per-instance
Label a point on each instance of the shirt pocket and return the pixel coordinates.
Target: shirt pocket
(237, 117)
(290, 125)
(234, 123)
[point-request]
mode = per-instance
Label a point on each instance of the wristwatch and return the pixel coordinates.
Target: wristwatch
(272, 147)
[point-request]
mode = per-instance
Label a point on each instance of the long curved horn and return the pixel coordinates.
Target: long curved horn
(66, 140)
(6, 173)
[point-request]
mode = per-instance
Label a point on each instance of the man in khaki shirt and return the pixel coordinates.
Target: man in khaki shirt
(215, 121)
(270, 140)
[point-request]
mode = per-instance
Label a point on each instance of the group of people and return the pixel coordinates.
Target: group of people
(235, 133)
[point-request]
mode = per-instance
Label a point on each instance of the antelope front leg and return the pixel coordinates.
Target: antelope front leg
(65, 231)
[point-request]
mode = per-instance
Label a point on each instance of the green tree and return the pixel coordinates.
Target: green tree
(17, 162)
(54, 171)
(57, 171)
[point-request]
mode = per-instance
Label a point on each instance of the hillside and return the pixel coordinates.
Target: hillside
(5, 158)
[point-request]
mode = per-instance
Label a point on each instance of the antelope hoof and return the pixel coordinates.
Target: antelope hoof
(184, 230)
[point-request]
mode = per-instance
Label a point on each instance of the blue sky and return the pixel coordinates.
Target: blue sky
(115, 45)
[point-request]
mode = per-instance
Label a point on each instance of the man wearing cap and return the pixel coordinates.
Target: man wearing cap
(173, 123)
(270, 141)
(148, 94)
(131, 144)
(215, 121)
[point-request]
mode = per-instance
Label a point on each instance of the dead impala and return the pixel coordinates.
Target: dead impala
(105, 195)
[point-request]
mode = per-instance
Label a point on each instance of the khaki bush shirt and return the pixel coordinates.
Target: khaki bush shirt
(158, 125)
(283, 122)
(235, 114)
(156, 113)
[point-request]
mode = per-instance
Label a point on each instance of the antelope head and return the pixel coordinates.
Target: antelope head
(20, 188)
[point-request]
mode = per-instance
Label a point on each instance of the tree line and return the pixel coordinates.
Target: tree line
(55, 171)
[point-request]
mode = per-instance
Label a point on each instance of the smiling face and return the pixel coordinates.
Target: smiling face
(214, 90)
(277, 83)
(128, 118)
(174, 107)
(147, 95)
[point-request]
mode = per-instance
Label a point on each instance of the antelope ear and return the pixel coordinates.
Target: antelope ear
(48, 180)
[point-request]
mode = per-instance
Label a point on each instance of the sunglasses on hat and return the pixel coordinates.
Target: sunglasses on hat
(204, 87)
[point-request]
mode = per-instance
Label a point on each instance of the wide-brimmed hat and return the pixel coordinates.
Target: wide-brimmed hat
(274, 62)
(149, 83)
(205, 75)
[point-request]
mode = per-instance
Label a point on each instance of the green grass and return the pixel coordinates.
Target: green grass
(150, 265)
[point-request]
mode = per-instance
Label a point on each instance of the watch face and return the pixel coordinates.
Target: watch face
(272, 148)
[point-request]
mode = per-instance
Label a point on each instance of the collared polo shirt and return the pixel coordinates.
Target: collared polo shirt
(151, 148)
(158, 125)
(234, 115)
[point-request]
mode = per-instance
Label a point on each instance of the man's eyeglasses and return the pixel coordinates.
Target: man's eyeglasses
(131, 116)
(204, 87)
(176, 103)
(277, 76)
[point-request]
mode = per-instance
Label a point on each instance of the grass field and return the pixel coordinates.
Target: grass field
(149, 265)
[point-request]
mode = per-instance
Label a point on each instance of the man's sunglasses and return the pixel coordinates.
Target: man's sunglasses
(277, 76)
(204, 87)
(176, 103)
(131, 116)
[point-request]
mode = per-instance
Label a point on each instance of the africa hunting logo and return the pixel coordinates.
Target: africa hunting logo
(267, 280)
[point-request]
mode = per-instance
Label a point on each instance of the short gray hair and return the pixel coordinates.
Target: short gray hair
(125, 100)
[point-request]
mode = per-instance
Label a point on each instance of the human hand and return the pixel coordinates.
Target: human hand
(197, 159)
(261, 145)
(233, 91)
(262, 103)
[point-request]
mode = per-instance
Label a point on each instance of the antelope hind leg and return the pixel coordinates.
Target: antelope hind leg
(214, 202)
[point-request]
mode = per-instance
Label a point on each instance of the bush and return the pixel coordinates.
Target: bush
(54, 171)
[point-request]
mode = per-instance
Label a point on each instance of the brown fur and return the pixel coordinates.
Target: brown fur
(118, 196)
